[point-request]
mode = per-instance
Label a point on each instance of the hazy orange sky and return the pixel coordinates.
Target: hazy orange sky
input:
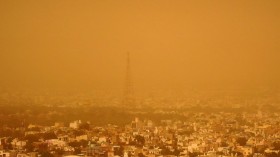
(173, 44)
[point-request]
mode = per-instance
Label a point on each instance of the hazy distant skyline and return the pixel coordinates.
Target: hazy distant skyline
(173, 44)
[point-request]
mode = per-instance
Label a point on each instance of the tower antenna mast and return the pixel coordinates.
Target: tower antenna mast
(128, 100)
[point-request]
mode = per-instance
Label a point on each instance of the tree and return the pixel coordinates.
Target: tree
(241, 141)
(29, 147)
(43, 147)
(276, 145)
(176, 152)
(49, 135)
(59, 151)
(83, 143)
(224, 144)
(141, 155)
(77, 150)
(46, 154)
(78, 132)
(84, 126)
(260, 149)
(74, 144)
(119, 151)
(32, 138)
(272, 154)
(165, 151)
(140, 140)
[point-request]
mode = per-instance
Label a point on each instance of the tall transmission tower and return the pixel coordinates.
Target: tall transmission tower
(128, 99)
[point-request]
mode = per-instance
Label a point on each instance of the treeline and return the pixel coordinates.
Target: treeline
(21, 115)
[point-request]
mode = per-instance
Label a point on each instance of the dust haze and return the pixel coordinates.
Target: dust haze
(139, 78)
(179, 45)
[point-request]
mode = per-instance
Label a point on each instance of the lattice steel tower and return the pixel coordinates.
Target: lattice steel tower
(128, 98)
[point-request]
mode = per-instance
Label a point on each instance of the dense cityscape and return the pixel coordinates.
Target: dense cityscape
(194, 127)
(139, 78)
